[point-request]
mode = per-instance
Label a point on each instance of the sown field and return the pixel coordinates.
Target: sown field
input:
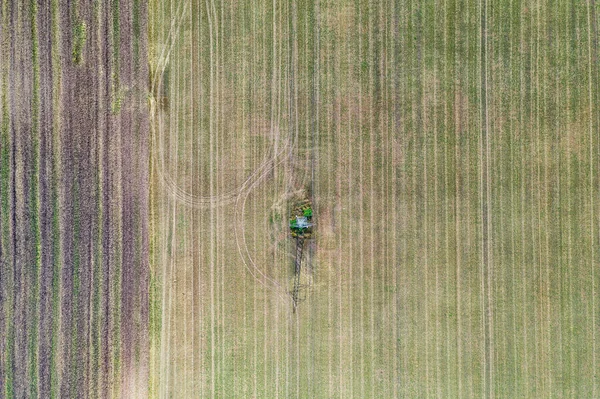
(451, 150)
(73, 199)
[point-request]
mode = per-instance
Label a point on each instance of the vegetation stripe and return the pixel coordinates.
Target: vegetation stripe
(55, 179)
(6, 253)
(34, 204)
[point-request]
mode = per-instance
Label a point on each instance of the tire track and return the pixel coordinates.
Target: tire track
(472, 217)
(331, 192)
(181, 145)
(202, 246)
(335, 72)
(568, 335)
(591, 172)
(543, 226)
(195, 369)
(513, 218)
(537, 247)
(168, 250)
(220, 212)
(173, 188)
(438, 366)
(501, 105)
(425, 122)
(557, 358)
(382, 381)
(241, 193)
(447, 201)
(418, 190)
(372, 160)
(525, 373)
(486, 267)
(398, 174)
(193, 291)
(414, 116)
(531, 125)
(361, 210)
(458, 126)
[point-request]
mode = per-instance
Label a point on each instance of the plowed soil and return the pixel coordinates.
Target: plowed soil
(74, 193)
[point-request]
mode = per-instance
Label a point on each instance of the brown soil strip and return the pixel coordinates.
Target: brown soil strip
(20, 92)
(46, 209)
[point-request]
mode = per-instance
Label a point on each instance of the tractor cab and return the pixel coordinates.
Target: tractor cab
(301, 221)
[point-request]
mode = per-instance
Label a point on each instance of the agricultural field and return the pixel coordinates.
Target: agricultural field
(152, 153)
(451, 152)
(74, 148)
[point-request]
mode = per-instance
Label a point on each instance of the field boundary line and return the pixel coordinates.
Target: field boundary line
(485, 193)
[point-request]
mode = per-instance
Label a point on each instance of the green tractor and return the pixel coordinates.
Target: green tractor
(301, 228)
(301, 220)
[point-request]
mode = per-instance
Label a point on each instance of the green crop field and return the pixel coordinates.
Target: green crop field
(451, 151)
(152, 154)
